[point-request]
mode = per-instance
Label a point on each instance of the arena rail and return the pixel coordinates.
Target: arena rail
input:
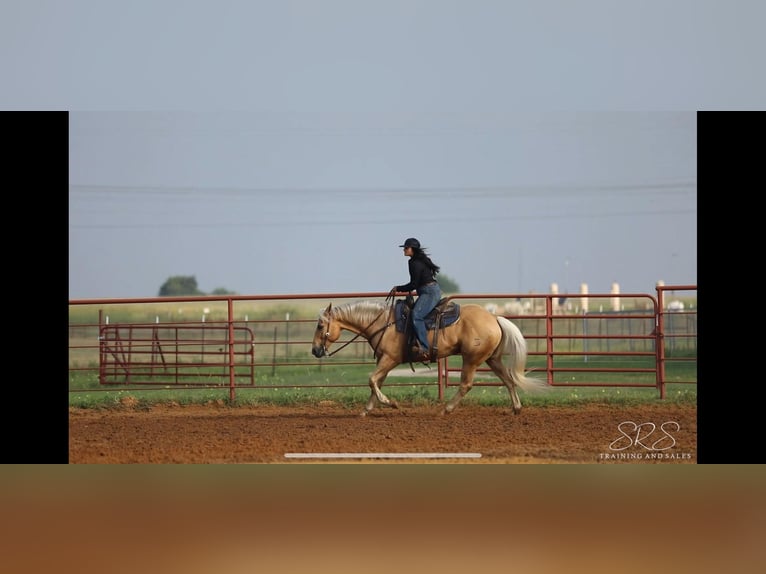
(229, 341)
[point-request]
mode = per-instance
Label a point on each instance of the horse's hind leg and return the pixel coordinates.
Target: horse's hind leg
(499, 368)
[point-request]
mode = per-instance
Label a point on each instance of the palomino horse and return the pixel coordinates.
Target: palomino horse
(478, 336)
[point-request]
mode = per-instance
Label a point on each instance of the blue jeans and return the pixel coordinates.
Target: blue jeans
(428, 297)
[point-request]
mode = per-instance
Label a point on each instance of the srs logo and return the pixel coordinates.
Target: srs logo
(645, 435)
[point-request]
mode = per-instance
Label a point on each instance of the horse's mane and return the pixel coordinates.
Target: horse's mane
(363, 312)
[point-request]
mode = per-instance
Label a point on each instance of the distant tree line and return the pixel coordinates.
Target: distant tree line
(183, 285)
(447, 285)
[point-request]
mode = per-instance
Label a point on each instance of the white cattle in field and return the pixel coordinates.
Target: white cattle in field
(676, 306)
(514, 308)
(491, 307)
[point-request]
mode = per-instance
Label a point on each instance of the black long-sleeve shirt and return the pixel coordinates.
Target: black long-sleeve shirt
(420, 274)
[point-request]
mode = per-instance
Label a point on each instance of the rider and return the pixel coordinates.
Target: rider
(423, 280)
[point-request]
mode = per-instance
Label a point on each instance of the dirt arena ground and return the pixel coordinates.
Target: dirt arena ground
(216, 433)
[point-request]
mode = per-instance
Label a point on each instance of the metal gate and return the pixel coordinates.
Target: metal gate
(629, 340)
(175, 354)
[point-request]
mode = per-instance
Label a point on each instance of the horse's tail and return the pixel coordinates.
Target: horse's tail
(514, 344)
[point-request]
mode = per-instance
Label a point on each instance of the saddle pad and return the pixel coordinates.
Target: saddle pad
(449, 315)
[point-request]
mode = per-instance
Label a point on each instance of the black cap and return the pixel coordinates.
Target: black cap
(411, 242)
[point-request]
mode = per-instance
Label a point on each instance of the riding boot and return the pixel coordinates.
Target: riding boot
(419, 354)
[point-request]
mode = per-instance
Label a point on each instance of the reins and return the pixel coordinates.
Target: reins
(362, 332)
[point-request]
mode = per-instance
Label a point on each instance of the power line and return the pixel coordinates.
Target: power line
(464, 191)
(446, 219)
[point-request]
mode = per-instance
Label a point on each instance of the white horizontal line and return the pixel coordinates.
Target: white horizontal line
(382, 455)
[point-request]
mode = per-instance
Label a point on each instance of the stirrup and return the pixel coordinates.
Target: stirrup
(418, 354)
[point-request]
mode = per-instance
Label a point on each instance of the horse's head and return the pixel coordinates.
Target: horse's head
(326, 333)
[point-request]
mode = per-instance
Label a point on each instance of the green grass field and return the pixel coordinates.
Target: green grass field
(347, 384)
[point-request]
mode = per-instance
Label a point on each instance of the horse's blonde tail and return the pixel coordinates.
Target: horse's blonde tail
(514, 344)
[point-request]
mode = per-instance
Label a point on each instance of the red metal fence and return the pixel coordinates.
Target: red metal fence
(234, 341)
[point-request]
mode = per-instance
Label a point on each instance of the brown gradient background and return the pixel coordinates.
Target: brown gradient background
(399, 518)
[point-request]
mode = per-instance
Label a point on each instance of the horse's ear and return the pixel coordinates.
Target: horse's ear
(329, 307)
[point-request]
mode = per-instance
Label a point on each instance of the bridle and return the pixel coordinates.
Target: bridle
(326, 335)
(359, 334)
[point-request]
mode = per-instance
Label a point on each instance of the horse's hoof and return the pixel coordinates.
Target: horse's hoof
(394, 405)
(363, 414)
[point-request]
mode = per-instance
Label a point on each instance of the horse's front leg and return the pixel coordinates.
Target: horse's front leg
(466, 382)
(376, 381)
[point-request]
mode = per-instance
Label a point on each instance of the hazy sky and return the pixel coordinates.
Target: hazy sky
(291, 146)
(505, 204)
